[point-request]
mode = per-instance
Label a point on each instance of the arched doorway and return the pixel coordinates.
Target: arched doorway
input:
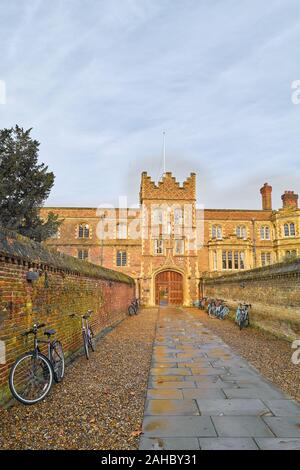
(168, 288)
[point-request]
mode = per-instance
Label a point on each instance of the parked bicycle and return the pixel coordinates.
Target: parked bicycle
(217, 308)
(134, 307)
(242, 317)
(31, 376)
(87, 333)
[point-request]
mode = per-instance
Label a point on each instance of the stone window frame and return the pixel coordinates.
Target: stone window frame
(156, 250)
(83, 231)
(241, 231)
(181, 253)
(233, 260)
(265, 258)
(217, 232)
(289, 229)
(120, 235)
(292, 252)
(215, 260)
(121, 258)
(56, 235)
(83, 254)
(265, 232)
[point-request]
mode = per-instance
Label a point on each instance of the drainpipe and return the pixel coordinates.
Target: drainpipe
(254, 243)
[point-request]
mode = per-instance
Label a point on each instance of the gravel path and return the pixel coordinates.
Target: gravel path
(270, 355)
(99, 405)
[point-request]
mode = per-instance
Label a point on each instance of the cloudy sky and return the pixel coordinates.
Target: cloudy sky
(99, 81)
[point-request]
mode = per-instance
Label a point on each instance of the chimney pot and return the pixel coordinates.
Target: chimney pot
(290, 199)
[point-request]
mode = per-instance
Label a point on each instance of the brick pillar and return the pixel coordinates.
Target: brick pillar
(266, 193)
(289, 199)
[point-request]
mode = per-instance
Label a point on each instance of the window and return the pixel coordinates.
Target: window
(229, 259)
(179, 247)
(217, 232)
(224, 260)
(241, 232)
(83, 254)
(157, 216)
(265, 258)
(233, 260)
(265, 232)
(158, 247)
(291, 253)
(236, 260)
(121, 258)
(122, 230)
(242, 260)
(178, 216)
(83, 231)
(56, 235)
(215, 261)
(289, 230)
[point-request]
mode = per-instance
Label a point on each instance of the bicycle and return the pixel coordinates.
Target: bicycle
(33, 373)
(242, 317)
(133, 307)
(87, 333)
(218, 309)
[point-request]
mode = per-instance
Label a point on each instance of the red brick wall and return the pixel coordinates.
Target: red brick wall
(50, 300)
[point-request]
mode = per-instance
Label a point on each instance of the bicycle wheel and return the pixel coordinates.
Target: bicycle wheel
(31, 378)
(242, 323)
(58, 361)
(131, 310)
(91, 339)
(85, 345)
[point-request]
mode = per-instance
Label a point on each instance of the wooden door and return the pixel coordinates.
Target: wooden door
(168, 288)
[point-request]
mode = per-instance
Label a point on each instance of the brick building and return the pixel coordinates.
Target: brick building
(168, 244)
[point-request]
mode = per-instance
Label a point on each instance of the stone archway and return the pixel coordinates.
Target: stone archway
(168, 288)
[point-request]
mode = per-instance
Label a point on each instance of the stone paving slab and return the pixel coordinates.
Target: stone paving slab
(235, 407)
(175, 384)
(241, 426)
(165, 394)
(265, 443)
(283, 407)
(203, 395)
(198, 393)
(252, 392)
(178, 426)
(227, 443)
(171, 407)
(171, 371)
(169, 443)
(284, 426)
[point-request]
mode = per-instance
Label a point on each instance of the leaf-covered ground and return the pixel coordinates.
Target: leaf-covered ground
(100, 403)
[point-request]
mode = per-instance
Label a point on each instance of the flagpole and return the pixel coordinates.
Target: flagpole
(164, 151)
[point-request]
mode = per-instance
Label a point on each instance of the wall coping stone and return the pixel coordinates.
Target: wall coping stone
(287, 268)
(17, 247)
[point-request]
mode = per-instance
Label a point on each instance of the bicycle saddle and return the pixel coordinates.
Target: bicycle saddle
(49, 332)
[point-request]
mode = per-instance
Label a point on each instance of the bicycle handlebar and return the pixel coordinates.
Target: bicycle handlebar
(88, 314)
(34, 329)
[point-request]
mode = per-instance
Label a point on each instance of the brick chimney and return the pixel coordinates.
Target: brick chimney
(266, 193)
(290, 199)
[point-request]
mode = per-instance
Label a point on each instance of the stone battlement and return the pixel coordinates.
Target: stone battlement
(168, 188)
